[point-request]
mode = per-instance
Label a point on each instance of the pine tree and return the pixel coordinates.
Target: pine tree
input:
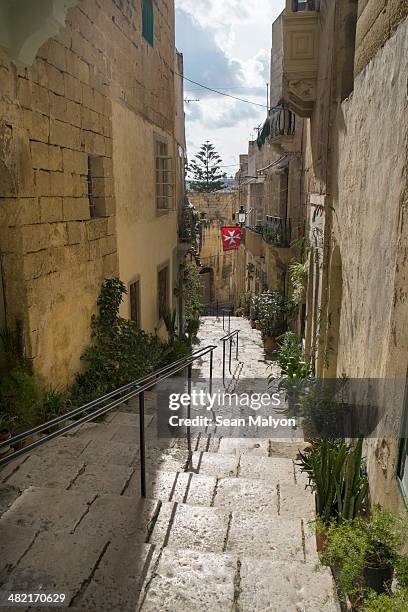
(206, 170)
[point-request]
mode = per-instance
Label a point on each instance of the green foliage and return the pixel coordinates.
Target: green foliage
(274, 312)
(337, 476)
(387, 603)
(118, 353)
(13, 346)
(21, 398)
(359, 543)
(172, 351)
(169, 319)
(192, 287)
(290, 357)
(206, 170)
(298, 273)
(245, 302)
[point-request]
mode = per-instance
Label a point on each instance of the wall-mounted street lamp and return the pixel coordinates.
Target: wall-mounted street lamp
(241, 216)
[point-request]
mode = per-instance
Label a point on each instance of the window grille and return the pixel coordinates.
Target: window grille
(164, 176)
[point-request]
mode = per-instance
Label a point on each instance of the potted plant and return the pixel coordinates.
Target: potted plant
(364, 553)
(338, 478)
(254, 311)
(273, 314)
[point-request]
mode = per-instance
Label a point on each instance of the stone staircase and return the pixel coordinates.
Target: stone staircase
(228, 530)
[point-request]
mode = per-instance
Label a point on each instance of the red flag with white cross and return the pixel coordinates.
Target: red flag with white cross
(231, 238)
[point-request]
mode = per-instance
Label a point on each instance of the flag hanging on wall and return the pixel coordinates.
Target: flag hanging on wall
(231, 238)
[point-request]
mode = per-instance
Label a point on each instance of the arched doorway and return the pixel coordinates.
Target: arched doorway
(334, 314)
(207, 290)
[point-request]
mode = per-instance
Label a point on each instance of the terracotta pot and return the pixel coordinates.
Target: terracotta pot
(253, 324)
(270, 344)
(4, 436)
(258, 325)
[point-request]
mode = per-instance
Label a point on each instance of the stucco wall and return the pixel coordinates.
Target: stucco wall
(369, 226)
(53, 115)
(146, 239)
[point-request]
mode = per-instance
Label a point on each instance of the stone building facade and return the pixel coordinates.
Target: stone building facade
(344, 70)
(91, 169)
(217, 267)
(271, 188)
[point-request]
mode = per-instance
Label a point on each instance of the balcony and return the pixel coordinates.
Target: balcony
(300, 55)
(277, 232)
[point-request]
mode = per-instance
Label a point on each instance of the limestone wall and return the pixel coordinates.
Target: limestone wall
(372, 234)
(52, 116)
(217, 210)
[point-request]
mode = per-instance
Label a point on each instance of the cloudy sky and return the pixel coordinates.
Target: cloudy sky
(226, 46)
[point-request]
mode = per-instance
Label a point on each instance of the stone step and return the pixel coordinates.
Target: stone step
(187, 580)
(215, 529)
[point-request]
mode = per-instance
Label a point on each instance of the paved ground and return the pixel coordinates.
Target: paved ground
(227, 531)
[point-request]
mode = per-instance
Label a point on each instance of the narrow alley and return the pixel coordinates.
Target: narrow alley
(229, 531)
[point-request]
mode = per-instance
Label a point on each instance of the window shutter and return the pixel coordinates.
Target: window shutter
(147, 21)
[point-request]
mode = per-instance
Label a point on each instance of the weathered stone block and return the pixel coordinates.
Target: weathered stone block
(110, 265)
(64, 134)
(75, 209)
(55, 54)
(75, 232)
(75, 161)
(111, 228)
(37, 125)
(73, 113)
(73, 88)
(42, 182)
(55, 79)
(46, 157)
(91, 120)
(93, 143)
(51, 209)
(58, 234)
(37, 264)
(102, 187)
(34, 238)
(57, 183)
(77, 67)
(96, 228)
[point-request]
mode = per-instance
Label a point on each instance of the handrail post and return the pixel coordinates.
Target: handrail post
(142, 445)
(223, 361)
(211, 370)
(229, 322)
(188, 428)
(237, 346)
(223, 314)
(230, 350)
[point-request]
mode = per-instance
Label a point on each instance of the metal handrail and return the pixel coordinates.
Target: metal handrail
(137, 389)
(227, 311)
(94, 403)
(229, 337)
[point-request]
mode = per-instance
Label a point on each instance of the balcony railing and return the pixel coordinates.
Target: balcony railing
(258, 229)
(277, 232)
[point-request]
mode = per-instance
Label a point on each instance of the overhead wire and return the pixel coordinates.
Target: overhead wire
(221, 93)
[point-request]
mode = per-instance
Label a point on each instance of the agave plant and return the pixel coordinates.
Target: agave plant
(338, 478)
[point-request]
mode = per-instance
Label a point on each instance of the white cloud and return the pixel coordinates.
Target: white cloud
(226, 46)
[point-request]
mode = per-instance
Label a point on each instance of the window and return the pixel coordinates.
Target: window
(163, 291)
(164, 175)
(134, 297)
(403, 457)
(147, 21)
